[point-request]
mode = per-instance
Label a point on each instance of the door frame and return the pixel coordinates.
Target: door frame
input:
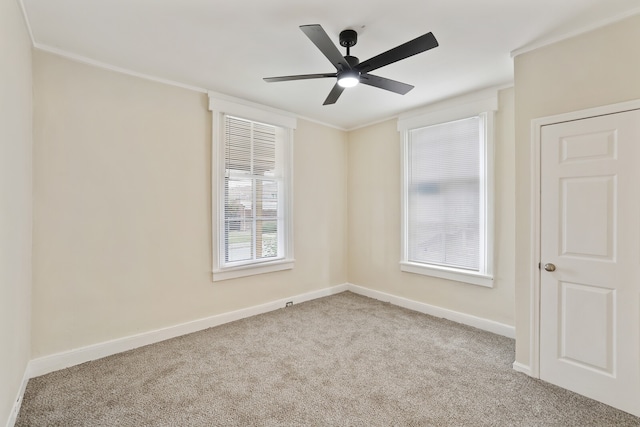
(535, 229)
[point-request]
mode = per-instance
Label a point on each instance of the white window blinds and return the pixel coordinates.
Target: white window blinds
(252, 191)
(444, 195)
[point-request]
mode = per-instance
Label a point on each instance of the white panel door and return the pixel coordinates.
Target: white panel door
(590, 234)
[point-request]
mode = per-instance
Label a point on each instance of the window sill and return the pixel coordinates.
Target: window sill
(448, 273)
(252, 269)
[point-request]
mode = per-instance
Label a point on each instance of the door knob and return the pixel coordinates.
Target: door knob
(550, 267)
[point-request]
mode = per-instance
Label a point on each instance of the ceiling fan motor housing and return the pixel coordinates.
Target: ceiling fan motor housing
(349, 78)
(352, 60)
(352, 76)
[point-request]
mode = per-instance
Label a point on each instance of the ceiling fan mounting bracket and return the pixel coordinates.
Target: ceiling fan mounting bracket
(348, 38)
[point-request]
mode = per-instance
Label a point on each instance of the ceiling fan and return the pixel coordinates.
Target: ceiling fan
(349, 70)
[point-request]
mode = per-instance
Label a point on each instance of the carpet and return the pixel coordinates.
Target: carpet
(343, 360)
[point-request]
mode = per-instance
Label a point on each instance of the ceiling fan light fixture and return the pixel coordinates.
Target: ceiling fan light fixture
(349, 78)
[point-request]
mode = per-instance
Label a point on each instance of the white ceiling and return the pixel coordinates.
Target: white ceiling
(229, 46)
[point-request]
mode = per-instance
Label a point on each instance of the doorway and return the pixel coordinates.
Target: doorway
(588, 283)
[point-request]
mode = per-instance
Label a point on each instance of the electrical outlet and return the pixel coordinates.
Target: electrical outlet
(289, 304)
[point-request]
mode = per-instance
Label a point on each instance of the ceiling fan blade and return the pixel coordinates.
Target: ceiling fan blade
(334, 94)
(322, 41)
(384, 83)
(298, 77)
(410, 48)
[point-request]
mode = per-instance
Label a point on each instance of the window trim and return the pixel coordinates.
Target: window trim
(220, 105)
(485, 108)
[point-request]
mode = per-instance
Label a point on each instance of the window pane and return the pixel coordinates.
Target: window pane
(267, 239)
(252, 204)
(238, 211)
(266, 199)
(266, 218)
(238, 199)
(444, 194)
(238, 243)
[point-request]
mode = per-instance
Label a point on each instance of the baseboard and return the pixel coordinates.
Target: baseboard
(519, 367)
(54, 362)
(466, 319)
(15, 410)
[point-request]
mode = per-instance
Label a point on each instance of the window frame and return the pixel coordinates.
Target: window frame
(483, 108)
(221, 105)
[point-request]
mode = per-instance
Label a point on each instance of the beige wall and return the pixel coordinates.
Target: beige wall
(122, 209)
(15, 202)
(122, 212)
(374, 223)
(597, 68)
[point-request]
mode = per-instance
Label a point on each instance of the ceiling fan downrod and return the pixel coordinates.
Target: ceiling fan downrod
(348, 38)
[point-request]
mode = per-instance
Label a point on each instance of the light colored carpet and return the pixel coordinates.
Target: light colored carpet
(344, 360)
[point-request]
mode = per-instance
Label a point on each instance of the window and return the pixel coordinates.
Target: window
(447, 198)
(252, 230)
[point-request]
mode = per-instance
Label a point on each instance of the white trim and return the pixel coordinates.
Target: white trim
(252, 269)
(535, 232)
(487, 173)
(456, 316)
(17, 403)
(54, 362)
(450, 109)
(404, 202)
(320, 122)
(221, 103)
(587, 28)
(217, 188)
(519, 367)
(447, 273)
(224, 99)
(442, 103)
(534, 295)
(375, 122)
(104, 65)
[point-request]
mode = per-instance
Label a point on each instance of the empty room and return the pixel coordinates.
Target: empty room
(284, 213)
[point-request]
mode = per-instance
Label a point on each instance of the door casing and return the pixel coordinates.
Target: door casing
(535, 231)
